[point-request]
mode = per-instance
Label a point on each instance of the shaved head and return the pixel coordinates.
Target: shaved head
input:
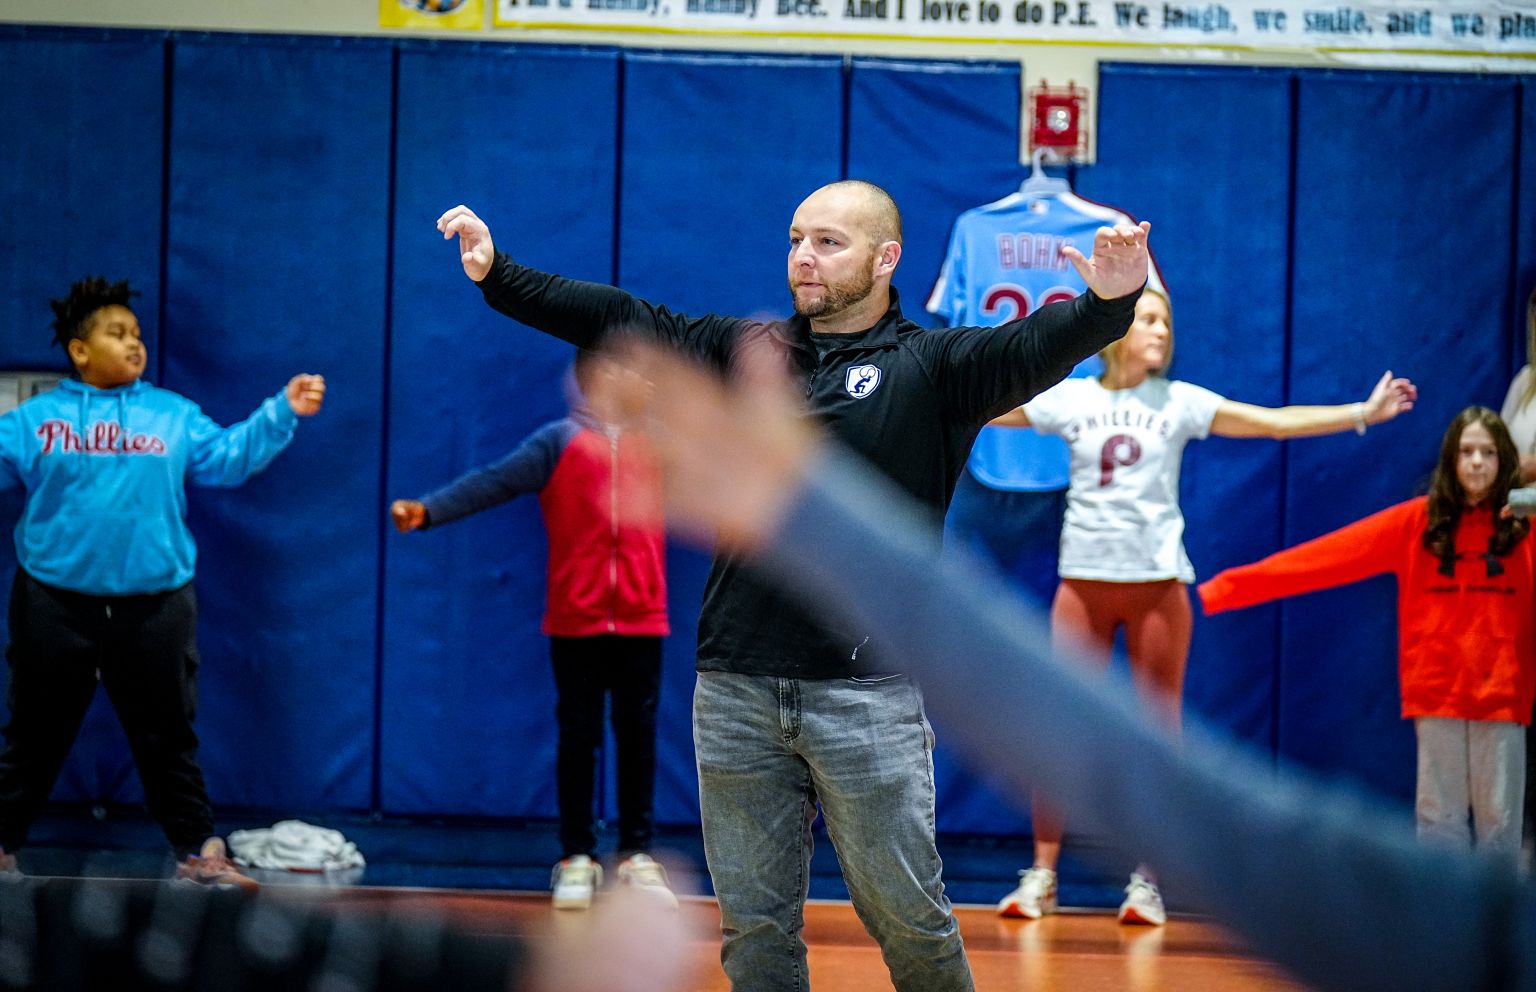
(872, 209)
(845, 241)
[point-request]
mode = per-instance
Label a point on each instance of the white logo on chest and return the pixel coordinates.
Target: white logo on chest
(861, 381)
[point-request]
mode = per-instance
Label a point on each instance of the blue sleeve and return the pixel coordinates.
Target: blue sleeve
(227, 456)
(1221, 826)
(948, 296)
(526, 470)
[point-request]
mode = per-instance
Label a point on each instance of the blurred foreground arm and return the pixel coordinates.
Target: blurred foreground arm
(733, 457)
(1219, 825)
(81, 935)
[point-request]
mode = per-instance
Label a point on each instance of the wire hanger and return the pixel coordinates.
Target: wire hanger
(1039, 185)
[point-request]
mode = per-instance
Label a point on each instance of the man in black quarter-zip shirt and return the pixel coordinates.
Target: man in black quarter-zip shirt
(789, 713)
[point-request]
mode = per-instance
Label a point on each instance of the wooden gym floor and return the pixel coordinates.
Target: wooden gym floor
(1069, 952)
(1074, 951)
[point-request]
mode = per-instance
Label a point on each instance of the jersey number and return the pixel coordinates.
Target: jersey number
(1120, 451)
(1005, 301)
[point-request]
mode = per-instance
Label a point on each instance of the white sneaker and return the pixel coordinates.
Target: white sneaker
(1035, 897)
(574, 880)
(1143, 903)
(646, 875)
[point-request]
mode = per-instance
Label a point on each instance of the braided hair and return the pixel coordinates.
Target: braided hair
(72, 314)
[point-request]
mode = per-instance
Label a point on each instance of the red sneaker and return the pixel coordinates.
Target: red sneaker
(211, 866)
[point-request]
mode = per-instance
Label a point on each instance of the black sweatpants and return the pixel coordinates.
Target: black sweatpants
(145, 651)
(587, 669)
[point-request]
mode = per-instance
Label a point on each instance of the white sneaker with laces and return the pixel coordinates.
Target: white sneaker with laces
(574, 880)
(1143, 903)
(1035, 897)
(646, 875)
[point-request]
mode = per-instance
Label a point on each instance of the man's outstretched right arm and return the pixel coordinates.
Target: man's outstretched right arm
(574, 310)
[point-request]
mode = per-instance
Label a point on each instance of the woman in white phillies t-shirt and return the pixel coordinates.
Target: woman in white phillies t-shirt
(1122, 545)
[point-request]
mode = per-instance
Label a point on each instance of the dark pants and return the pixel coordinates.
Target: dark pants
(143, 649)
(587, 668)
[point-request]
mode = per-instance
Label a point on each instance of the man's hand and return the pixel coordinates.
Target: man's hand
(1390, 398)
(305, 394)
(1119, 263)
(408, 515)
(476, 250)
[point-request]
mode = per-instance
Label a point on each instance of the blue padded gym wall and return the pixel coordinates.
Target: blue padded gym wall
(467, 711)
(1314, 228)
(1203, 154)
(1525, 225)
(80, 171)
(718, 152)
(1402, 257)
(80, 194)
(275, 265)
(941, 137)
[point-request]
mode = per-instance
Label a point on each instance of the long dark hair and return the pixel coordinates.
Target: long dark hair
(1447, 499)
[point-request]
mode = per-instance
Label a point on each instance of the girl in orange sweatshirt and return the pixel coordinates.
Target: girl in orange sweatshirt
(1466, 647)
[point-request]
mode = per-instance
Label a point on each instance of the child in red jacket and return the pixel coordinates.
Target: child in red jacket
(605, 614)
(1466, 650)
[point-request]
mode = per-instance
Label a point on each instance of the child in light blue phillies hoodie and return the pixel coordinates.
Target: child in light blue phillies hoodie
(104, 583)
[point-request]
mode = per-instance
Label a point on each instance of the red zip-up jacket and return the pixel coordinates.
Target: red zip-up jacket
(1466, 648)
(607, 572)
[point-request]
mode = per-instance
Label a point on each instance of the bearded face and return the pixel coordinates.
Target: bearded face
(825, 299)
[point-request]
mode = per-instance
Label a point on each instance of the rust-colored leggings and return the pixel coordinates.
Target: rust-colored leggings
(1157, 620)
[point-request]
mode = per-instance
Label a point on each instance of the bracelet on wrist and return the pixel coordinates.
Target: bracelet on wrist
(1360, 424)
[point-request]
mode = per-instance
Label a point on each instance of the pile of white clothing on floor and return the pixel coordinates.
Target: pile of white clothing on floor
(294, 845)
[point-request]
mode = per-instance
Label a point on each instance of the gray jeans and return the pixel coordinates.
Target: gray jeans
(1471, 764)
(769, 749)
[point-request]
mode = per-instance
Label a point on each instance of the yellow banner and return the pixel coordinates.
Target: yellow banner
(1394, 32)
(441, 15)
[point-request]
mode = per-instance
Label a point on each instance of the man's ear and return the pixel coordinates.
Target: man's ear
(887, 257)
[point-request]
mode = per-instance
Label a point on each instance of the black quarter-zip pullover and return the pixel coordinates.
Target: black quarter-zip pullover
(910, 400)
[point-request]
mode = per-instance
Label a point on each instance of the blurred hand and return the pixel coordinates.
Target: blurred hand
(731, 454)
(1120, 262)
(1390, 398)
(476, 250)
(306, 393)
(408, 515)
(1522, 503)
(626, 944)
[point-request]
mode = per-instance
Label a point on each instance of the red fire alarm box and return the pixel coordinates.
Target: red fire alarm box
(1056, 120)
